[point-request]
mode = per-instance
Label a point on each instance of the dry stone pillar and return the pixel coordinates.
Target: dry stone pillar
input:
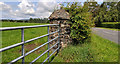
(61, 17)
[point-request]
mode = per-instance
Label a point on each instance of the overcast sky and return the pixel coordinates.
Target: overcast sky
(22, 9)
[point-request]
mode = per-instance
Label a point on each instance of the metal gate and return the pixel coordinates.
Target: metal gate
(24, 42)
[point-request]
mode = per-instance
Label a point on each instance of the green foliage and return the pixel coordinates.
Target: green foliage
(107, 12)
(31, 20)
(38, 20)
(80, 27)
(81, 22)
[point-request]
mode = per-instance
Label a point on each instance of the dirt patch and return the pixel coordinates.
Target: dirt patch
(30, 47)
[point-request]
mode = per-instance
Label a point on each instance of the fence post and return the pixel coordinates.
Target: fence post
(22, 39)
(48, 44)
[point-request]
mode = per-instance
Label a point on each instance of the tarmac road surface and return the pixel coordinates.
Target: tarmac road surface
(108, 34)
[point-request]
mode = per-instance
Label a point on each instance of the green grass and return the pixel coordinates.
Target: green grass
(14, 36)
(104, 50)
(13, 24)
(96, 50)
(110, 28)
(110, 22)
(114, 25)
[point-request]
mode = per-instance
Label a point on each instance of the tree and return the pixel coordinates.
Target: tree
(118, 8)
(107, 12)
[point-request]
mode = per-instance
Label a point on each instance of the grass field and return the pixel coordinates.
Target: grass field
(111, 23)
(95, 50)
(14, 36)
(110, 28)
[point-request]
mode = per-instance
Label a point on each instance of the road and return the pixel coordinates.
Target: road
(108, 34)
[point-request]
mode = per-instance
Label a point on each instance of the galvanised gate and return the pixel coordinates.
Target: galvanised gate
(24, 42)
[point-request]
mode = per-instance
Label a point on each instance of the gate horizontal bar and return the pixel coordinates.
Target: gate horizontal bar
(15, 60)
(32, 51)
(51, 54)
(18, 44)
(40, 46)
(44, 53)
(12, 46)
(23, 27)
(40, 37)
(22, 43)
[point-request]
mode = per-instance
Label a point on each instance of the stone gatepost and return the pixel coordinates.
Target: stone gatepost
(61, 17)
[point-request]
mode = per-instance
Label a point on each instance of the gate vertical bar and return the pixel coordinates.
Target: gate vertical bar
(22, 39)
(58, 37)
(48, 44)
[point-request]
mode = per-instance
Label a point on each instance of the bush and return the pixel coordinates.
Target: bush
(81, 23)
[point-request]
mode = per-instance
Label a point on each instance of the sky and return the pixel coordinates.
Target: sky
(25, 9)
